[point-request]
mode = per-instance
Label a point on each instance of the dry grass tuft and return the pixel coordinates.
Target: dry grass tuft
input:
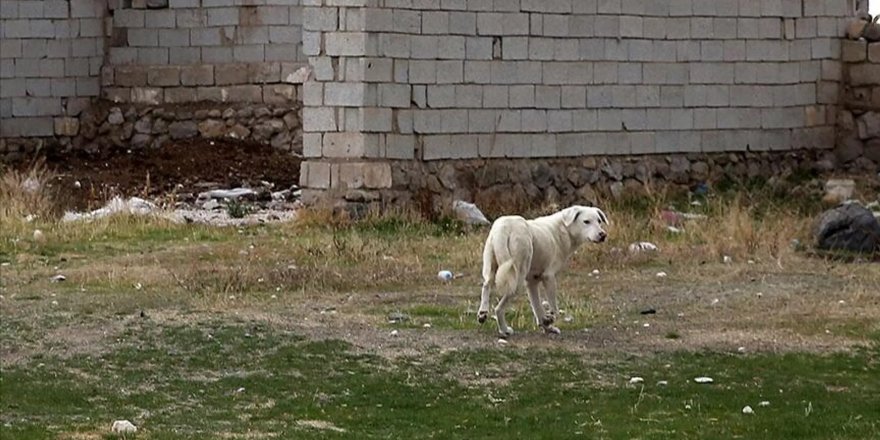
(26, 196)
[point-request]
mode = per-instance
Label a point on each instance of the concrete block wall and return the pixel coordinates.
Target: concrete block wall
(859, 117)
(51, 52)
(204, 50)
(441, 79)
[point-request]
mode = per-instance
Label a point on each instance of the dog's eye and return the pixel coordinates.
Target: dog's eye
(586, 222)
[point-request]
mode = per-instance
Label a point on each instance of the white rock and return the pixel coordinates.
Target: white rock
(662, 383)
(394, 332)
(764, 403)
(703, 379)
(58, 278)
(77, 184)
(643, 246)
(748, 410)
(727, 259)
(426, 325)
(595, 272)
(469, 213)
(123, 427)
(636, 379)
(687, 407)
(741, 349)
(445, 275)
(502, 341)
(661, 274)
(715, 301)
(227, 193)
(751, 261)
(839, 190)
(646, 325)
(674, 230)
(39, 237)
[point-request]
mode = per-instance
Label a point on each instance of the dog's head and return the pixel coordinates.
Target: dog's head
(585, 223)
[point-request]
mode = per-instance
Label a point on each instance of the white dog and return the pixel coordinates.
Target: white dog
(532, 252)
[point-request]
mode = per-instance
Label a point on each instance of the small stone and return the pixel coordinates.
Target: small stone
(764, 403)
(115, 117)
(703, 379)
(838, 191)
(748, 410)
(727, 260)
(123, 427)
(39, 237)
(662, 383)
(503, 341)
(661, 275)
(394, 332)
(741, 349)
(183, 130)
(58, 278)
(212, 128)
(636, 379)
(426, 325)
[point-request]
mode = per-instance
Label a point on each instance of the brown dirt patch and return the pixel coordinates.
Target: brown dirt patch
(178, 167)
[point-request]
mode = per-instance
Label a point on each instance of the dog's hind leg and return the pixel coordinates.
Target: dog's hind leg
(489, 268)
(550, 317)
(543, 320)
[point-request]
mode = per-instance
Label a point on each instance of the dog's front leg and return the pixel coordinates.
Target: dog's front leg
(550, 289)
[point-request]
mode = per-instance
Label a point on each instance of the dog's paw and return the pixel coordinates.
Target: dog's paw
(482, 316)
(506, 333)
(548, 320)
(551, 330)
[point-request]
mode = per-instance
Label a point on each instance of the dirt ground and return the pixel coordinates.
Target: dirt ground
(180, 167)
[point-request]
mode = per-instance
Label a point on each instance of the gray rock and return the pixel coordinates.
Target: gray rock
(869, 125)
(183, 130)
(144, 125)
(212, 128)
(850, 227)
(115, 117)
(849, 149)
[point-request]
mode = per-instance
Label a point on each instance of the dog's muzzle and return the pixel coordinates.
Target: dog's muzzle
(602, 237)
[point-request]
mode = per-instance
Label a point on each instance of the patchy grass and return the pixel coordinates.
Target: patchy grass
(263, 332)
(245, 380)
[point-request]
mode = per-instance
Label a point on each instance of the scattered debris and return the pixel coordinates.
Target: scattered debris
(58, 278)
(703, 379)
(123, 427)
(397, 317)
(636, 379)
(643, 246)
(469, 213)
(116, 205)
(838, 191)
(445, 275)
(748, 410)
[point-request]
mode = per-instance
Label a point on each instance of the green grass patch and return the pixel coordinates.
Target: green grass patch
(213, 379)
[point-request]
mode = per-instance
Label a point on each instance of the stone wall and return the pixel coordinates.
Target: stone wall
(859, 120)
(64, 63)
(452, 80)
(51, 54)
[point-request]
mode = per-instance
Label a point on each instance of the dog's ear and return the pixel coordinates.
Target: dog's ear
(570, 215)
(602, 217)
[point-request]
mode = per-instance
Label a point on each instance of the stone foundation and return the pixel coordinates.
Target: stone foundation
(508, 185)
(105, 126)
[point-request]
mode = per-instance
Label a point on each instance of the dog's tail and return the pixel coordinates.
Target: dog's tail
(507, 276)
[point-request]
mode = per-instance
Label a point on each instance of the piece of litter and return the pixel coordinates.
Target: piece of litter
(703, 379)
(634, 380)
(650, 311)
(445, 275)
(138, 286)
(646, 325)
(394, 332)
(123, 427)
(132, 205)
(764, 403)
(58, 278)
(748, 410)
(642, 246)
(661, 274)
(662, 383)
